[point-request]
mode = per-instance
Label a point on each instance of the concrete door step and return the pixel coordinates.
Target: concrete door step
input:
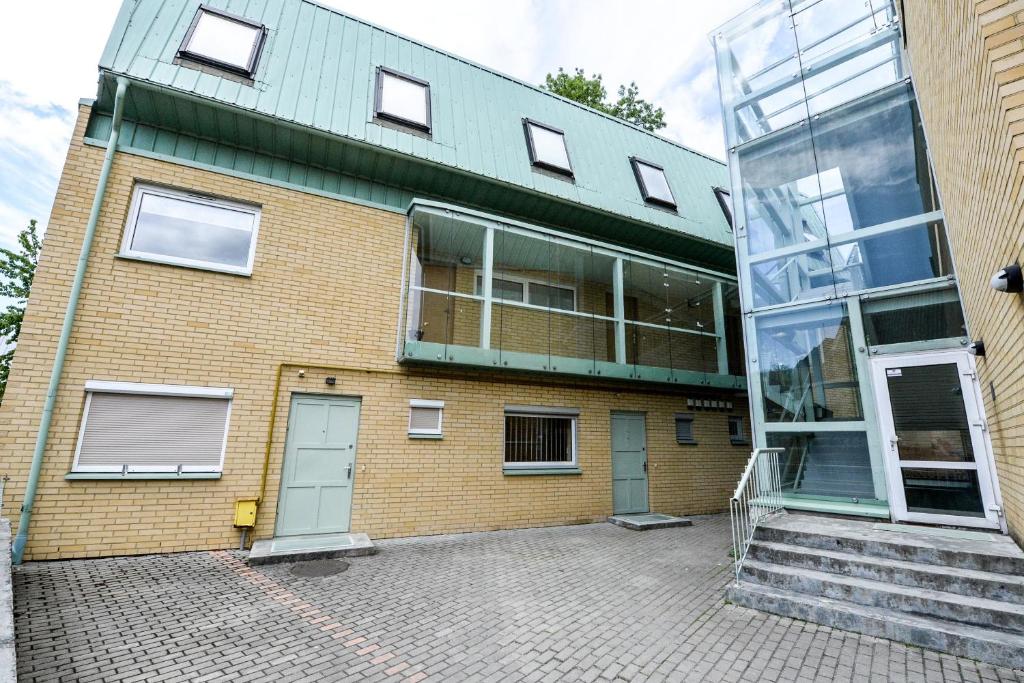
(980, 551)
(310, 547)
(986, 645)
(951, 607)
(973, 582)
(648, 520)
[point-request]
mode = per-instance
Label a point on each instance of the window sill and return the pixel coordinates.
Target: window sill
(139, 476)
(739, 442)
(686, 443)
(435, 437)
(537, 471)
(210, 268)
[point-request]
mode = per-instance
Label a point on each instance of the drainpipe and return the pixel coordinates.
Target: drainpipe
(21, 539)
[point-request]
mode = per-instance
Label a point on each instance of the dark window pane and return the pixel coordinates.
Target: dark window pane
(943, 491)
(932, 315)
(928, 412)
(552, 297)
(534, 439)
(825, 464)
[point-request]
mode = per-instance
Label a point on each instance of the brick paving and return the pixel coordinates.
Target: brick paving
(579, 603)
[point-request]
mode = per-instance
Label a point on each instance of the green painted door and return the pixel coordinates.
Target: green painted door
(319, 466)
(629, 463)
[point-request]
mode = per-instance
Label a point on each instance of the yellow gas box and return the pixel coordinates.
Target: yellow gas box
(245, 513)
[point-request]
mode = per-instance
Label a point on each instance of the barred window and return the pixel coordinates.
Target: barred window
(542, 439)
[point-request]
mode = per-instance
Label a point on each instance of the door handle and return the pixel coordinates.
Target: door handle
(348, 470)
(645, 465)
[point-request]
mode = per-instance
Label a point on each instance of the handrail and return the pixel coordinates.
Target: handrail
(758, 495)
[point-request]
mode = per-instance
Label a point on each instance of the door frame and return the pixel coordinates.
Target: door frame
(984, 460)
(647, 467)
(284, 454)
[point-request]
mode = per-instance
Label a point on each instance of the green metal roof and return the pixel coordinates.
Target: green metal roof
(311, 101)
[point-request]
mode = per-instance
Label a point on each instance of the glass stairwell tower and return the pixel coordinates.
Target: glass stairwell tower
(856, 341)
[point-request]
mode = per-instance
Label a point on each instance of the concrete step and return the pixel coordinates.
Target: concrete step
(971, 582)
(963, 609)
(989, 552)
(986, 645)
(310, 547)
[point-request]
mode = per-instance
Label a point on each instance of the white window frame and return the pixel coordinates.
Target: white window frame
(740, 439)
(249, 69)
(101, 387)
(142, 189)
(525, 282)
(427, 433)
(541, 412)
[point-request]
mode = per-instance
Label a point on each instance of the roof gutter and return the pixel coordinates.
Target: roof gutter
(21, 539)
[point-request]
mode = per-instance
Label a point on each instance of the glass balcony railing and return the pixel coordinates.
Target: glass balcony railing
(490, 293)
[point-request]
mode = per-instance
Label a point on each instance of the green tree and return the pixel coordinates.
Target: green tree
(17, 268)
(591, 92)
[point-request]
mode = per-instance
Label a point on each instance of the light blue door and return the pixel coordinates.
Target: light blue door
(629, 463)
(319, 466)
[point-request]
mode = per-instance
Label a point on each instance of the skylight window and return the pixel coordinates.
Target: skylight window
(224, 41)
(403, 99)
(653, 183)
(547, 147)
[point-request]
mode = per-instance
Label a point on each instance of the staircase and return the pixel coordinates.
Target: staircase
(953, 591)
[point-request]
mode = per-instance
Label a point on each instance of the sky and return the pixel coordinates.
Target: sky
(661, 44)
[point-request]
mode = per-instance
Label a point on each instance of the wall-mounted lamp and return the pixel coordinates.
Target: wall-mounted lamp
(330, 381)
(1009, 279)
(977, 348)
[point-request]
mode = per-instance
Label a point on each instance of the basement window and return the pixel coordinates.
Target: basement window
(547, 147)
(152, 428)
(402, 99)
(684, 429)
(425, 419)
(184, 229)
(540, 437)
(225, 41)
(653, 184)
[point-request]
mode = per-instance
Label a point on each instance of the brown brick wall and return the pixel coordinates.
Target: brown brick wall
(324, 292)
(967, 59)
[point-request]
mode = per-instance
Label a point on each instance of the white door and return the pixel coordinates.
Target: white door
(937, 452)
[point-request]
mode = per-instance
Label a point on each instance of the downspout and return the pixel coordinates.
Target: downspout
(21, 539)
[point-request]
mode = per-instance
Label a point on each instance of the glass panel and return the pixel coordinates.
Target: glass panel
(521, 258)
(919, 253)
(196, 231)
(943, 492)
(920, 317)
(825, 463)
(447, 252)
(691, 313)
(808, 373)
(403, 98)
(223, 40)
(655, 182)
(549, 147)
(645, 300)
(929, 414)
(734, 342)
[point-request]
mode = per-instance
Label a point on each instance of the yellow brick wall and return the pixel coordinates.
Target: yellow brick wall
(967, 60)
(324, 291)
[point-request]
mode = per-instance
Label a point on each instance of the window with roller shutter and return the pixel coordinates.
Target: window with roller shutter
(425, 419)
(152, 428)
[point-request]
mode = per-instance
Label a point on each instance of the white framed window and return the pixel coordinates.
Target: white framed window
(425, 419)
(528, 291)
(139, 428)
(653, 183)
(403, 99)
(184, 229)
(540, 437)
(546, 145)
(224, 41)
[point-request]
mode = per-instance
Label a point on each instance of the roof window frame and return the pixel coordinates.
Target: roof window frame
(378, 100)
(634, 162)
(539, 163)
(248, 71)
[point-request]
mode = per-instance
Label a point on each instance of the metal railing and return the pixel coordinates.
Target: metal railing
(758, 496)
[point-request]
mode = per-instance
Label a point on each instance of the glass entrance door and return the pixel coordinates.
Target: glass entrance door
(933, 430)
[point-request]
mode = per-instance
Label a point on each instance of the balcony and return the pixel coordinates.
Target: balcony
(489, 292)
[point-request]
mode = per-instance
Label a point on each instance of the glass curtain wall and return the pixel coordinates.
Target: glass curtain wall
(485, 292)
(839, 229)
